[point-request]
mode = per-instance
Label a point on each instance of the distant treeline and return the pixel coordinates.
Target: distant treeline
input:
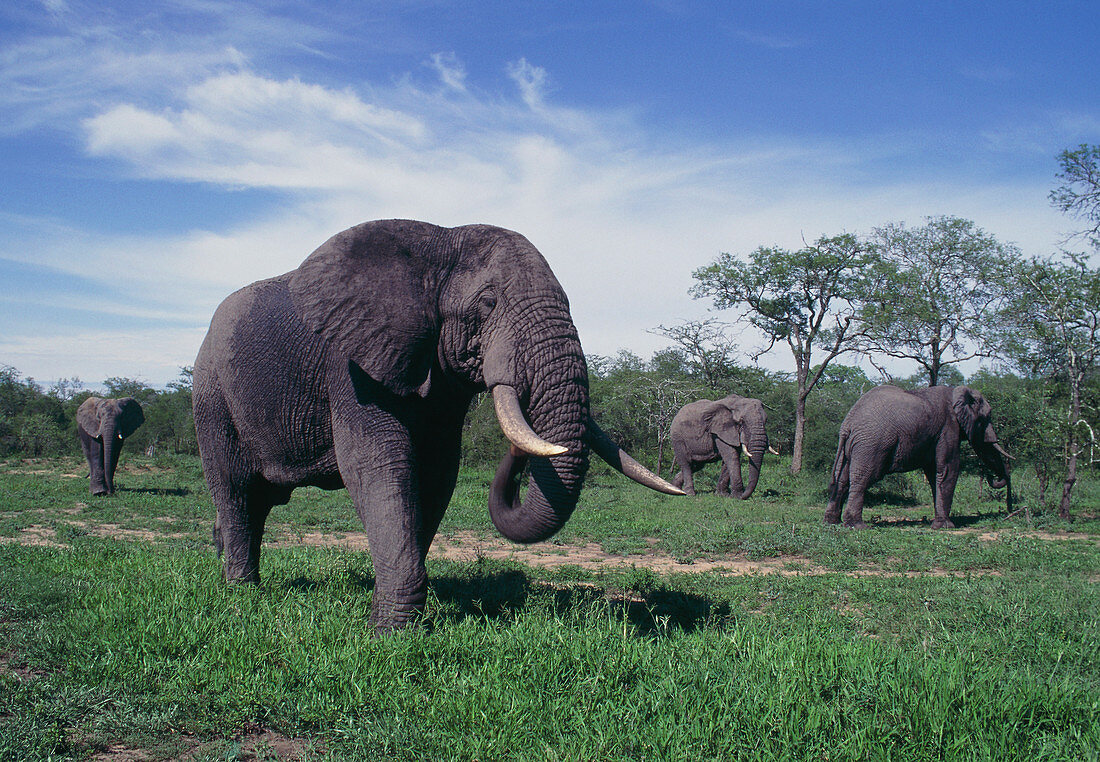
(633, 399)
(38, 422)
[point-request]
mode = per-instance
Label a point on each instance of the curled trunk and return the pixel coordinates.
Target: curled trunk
(556, 407)
(996, 464)
(755, 446)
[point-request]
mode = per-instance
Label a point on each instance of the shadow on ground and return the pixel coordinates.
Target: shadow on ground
(500, 595)
(162, 491)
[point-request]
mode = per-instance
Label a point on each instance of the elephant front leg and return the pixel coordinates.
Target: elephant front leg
(377, 465)
(729, 478)
(943, 483)
(93, 452)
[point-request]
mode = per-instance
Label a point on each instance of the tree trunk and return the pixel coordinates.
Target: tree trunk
(1071, 448)
(799, 433)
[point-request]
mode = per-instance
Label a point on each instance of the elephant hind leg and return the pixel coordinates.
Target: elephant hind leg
(242, 497)
(686, 479)
(838, 494)
(853, 511)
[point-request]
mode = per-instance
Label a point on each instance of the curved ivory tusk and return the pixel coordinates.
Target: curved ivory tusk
(618, 458)
(772, 450)
(745, 451)
(1002, 451)
(515, 426)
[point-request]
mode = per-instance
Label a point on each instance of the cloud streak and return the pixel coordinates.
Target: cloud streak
(622, 212)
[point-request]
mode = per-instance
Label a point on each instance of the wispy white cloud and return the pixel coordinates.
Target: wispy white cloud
(450, 70)
(623, 215)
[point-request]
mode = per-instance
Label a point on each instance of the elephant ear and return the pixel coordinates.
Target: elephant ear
(87, 416)
(132, 416)
(370, 293)
(965, 405)
(724, 425)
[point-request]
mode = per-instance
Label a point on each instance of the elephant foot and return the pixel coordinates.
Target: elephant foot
(832, 518)
(943, 524)
(855, 523)
(102, 492)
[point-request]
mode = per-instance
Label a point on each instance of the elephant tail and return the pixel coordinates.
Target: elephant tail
(840, 464)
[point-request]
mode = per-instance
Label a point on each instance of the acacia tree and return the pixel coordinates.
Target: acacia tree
(1079, 193)
(1055, 316)
(706, 348)
(808, 298)
(934, 292)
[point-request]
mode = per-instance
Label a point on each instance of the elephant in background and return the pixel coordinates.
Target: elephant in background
(103, 425)
(706, 431)
(890, 430)
(357, 369)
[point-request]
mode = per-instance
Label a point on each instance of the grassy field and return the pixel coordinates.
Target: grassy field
(118, 641)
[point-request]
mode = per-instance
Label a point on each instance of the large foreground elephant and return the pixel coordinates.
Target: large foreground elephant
(102, 425)
(706, 431)
(890, 430)
(357, 369)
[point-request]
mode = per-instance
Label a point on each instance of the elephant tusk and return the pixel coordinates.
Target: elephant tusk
(772, 450)
(515, 426)
(746, 452)
(1002, 451)
(619, 459)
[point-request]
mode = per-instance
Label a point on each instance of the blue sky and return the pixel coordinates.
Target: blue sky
(159, 155)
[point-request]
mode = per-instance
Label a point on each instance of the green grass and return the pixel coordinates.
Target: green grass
(135, 642)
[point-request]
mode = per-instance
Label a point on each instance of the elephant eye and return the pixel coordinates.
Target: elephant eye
(486, 303)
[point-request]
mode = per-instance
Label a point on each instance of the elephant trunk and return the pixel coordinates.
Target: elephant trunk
(557, 409)
(112, 448)
(755, 444)
(755, 461)
(990, 454)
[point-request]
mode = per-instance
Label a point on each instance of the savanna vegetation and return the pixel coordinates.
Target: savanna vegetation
(693, 629)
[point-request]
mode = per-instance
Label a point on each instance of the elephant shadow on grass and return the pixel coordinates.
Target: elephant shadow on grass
(960, 521)
(503, 594)
(160, 491)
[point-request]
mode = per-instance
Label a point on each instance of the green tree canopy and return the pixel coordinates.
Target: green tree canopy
(934, 292)
(808, 298)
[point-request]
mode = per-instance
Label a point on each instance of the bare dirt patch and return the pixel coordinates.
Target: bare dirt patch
(995, 535)
(468, 546)
(36, 536)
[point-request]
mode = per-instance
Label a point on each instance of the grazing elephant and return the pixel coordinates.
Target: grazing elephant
(709, 430)
(357, 370)
(102, 425)
(890, 430)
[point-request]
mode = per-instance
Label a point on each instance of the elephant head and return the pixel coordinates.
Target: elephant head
(974, 415)
(106, 423)
(742, 423)
(415, 305)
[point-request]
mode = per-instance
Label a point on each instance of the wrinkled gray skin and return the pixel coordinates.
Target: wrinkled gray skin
(357, 370)
(890, 430)
(103, 425)
(706, 431)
